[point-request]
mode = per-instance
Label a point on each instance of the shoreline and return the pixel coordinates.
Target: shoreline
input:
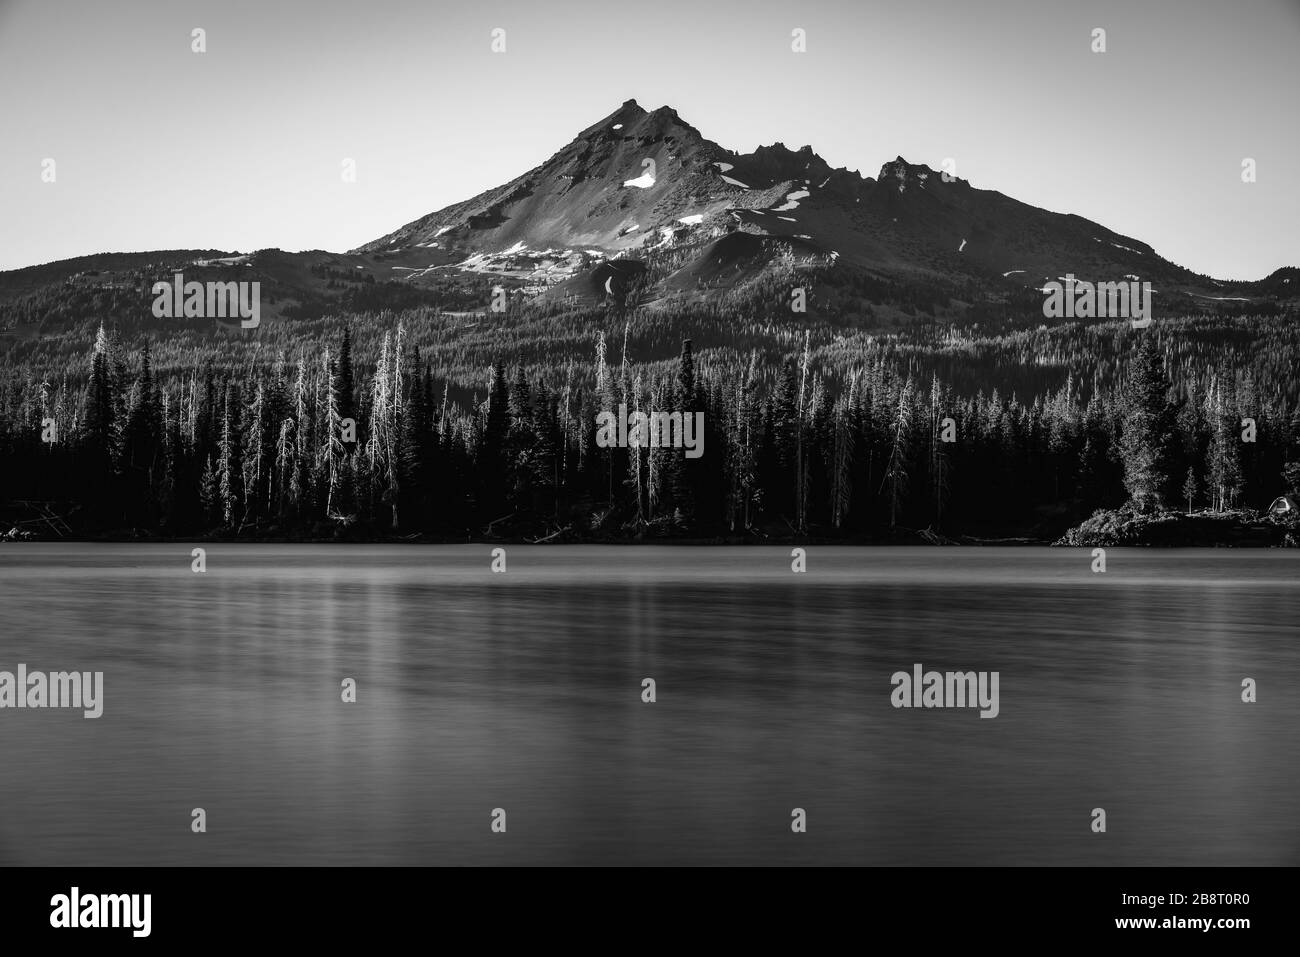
(1116, 528)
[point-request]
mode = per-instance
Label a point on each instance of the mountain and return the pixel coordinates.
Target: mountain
(641, 209)
(639, 185)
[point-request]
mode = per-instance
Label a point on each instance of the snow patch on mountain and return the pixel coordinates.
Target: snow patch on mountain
(1096, 239)
(666, 234)
(792, 200)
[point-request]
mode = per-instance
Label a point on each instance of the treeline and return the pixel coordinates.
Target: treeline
(847, 436)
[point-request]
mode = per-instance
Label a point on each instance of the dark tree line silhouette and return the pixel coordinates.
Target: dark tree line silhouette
(854, 436)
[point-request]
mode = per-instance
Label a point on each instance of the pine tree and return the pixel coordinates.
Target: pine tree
(1291, 466)
(144, 422)
(841, 471)
(685, 398)
(782, 460)
(493, 448)
(681, 472)
(896, 465)
(101, 405)
(801, 462)
(1147, 427)
(345, 385)
(255, 456)
(210, 493)
(230, 460)
(1223, 468)
(333, 451)
(636, 457)
(748, 441)
(938, 456)
(655, 463)
(415, 452)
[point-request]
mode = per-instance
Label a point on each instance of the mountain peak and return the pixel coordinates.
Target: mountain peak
(637, 181)
(900, 169)
(778, 162)
(900, 163)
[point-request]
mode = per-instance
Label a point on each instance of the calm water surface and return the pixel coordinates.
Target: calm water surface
(522, 691)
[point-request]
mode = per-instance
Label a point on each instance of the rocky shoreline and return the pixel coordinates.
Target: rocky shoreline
(1237, 529)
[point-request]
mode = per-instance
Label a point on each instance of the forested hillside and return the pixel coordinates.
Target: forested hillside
(473, 426)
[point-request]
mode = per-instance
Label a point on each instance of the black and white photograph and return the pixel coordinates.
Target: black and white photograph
(559, 434)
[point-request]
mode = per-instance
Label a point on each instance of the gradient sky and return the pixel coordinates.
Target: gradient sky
(240, 148)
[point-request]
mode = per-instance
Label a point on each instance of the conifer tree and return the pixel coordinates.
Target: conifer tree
(1147, 427)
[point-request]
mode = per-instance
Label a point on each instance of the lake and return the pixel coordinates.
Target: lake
(522, 691)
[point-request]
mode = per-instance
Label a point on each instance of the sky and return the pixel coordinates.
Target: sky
(241, 147)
